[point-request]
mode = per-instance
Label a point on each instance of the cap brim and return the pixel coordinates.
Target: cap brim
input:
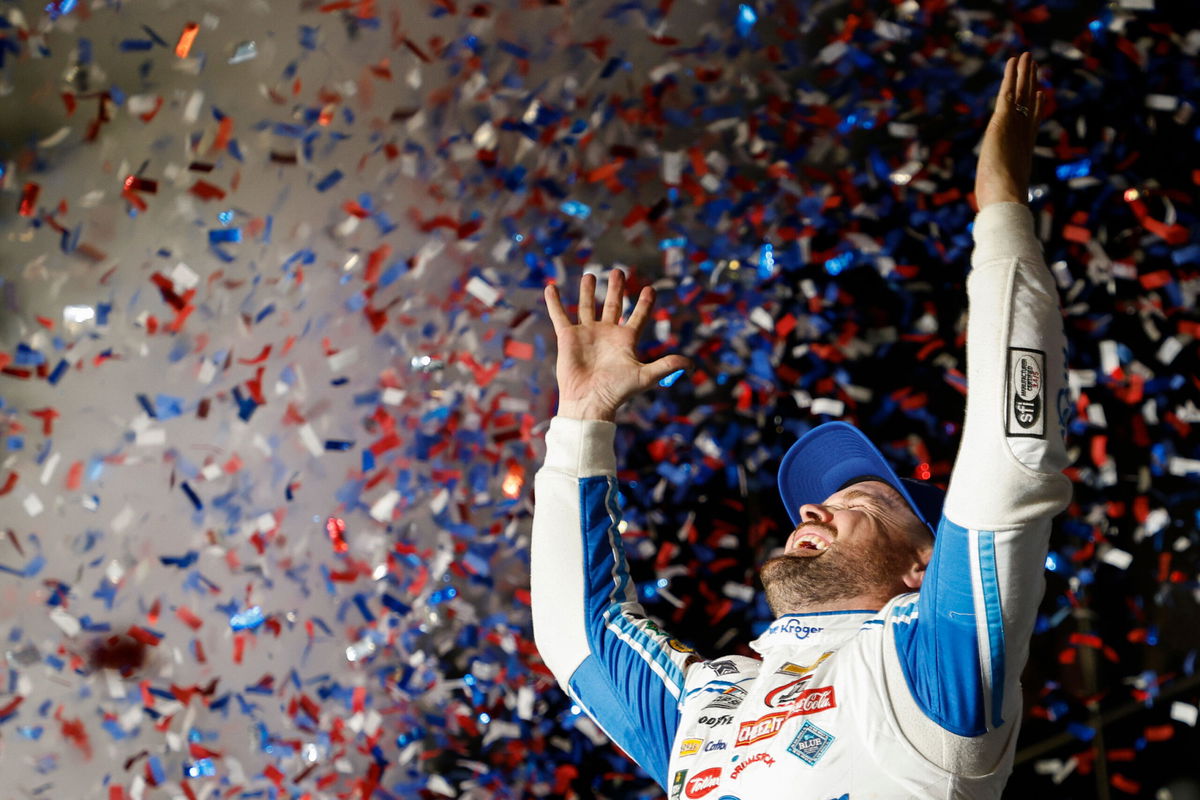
(834, 455)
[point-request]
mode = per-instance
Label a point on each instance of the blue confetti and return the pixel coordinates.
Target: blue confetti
(746, 17)
(329, 180)
(670, 379)
(1075, 169)
(249, 619)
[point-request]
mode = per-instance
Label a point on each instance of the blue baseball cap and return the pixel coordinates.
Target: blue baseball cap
(835, 455)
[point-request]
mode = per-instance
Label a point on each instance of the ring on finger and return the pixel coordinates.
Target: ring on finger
(1022, 110)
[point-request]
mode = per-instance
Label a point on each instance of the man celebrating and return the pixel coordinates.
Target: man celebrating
(904, 616)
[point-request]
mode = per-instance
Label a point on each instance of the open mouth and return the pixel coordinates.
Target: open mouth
(809, 544)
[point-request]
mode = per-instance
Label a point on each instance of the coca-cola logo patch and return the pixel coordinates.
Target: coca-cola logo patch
(810, 701)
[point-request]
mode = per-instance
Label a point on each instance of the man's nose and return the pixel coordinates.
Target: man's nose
(815, 512)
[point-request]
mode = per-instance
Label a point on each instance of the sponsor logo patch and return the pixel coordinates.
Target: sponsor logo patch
(702, 783)
(714, 746)
(764, 758)
(723, 667)
(782, 695)
(690, 747)
(724, 719)
(729, 697)
(1026, 406)
(800, 670)
(795, 627)
(679, 646)
(758, 729)
(804, 701)
(678, 783)
(811, 743)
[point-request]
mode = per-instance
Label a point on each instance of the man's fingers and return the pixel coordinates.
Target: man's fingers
(1037, 116)
(587, 298)
(1030, 79)
(614, 297)
(641, 311)
(558, 314)
(1021, 91)
(1008, 93)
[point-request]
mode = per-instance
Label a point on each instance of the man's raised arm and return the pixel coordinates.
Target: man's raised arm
(962, 654)
(618, 666)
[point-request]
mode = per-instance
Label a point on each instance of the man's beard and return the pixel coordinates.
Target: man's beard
(795, 584)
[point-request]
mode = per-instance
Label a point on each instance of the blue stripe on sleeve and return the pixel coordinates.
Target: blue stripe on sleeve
(939, 645)
(995, 622)
(631, 683)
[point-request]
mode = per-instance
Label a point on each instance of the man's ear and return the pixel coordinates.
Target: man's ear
(915, 574)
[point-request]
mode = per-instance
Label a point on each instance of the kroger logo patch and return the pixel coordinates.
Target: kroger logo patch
(811, 743)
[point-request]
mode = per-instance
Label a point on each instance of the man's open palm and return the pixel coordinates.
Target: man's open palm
(1006, 155)
(598, 368)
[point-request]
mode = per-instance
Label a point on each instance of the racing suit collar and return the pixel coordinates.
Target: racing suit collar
(817, 630)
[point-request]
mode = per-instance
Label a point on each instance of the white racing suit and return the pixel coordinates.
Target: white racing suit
(919, 699)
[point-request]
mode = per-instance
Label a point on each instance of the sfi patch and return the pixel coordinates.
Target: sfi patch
(811, 743)
(1025, 397)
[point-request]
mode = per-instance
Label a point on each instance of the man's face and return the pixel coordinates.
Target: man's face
(859, 548)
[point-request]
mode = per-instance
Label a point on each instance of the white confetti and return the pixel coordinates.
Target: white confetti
(342, 359)
(184, 277)
(382, 508)
(1185, 713)
(67, 623)
(1178, 465)
(1162, 102)
(122, 519)
(1118, 558)
(828, 405)
(762, 318)
(483, 291)
(1110, 362)
(672, 167)
(51, 465)
(33, 505)
(311, 441)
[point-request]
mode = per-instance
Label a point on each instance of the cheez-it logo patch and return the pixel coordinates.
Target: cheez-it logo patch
(762, 728)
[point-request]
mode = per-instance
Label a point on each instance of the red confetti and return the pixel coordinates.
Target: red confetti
(336, 528)
(190, 619)
(29, 196)
(521, 350)
(186, 39)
